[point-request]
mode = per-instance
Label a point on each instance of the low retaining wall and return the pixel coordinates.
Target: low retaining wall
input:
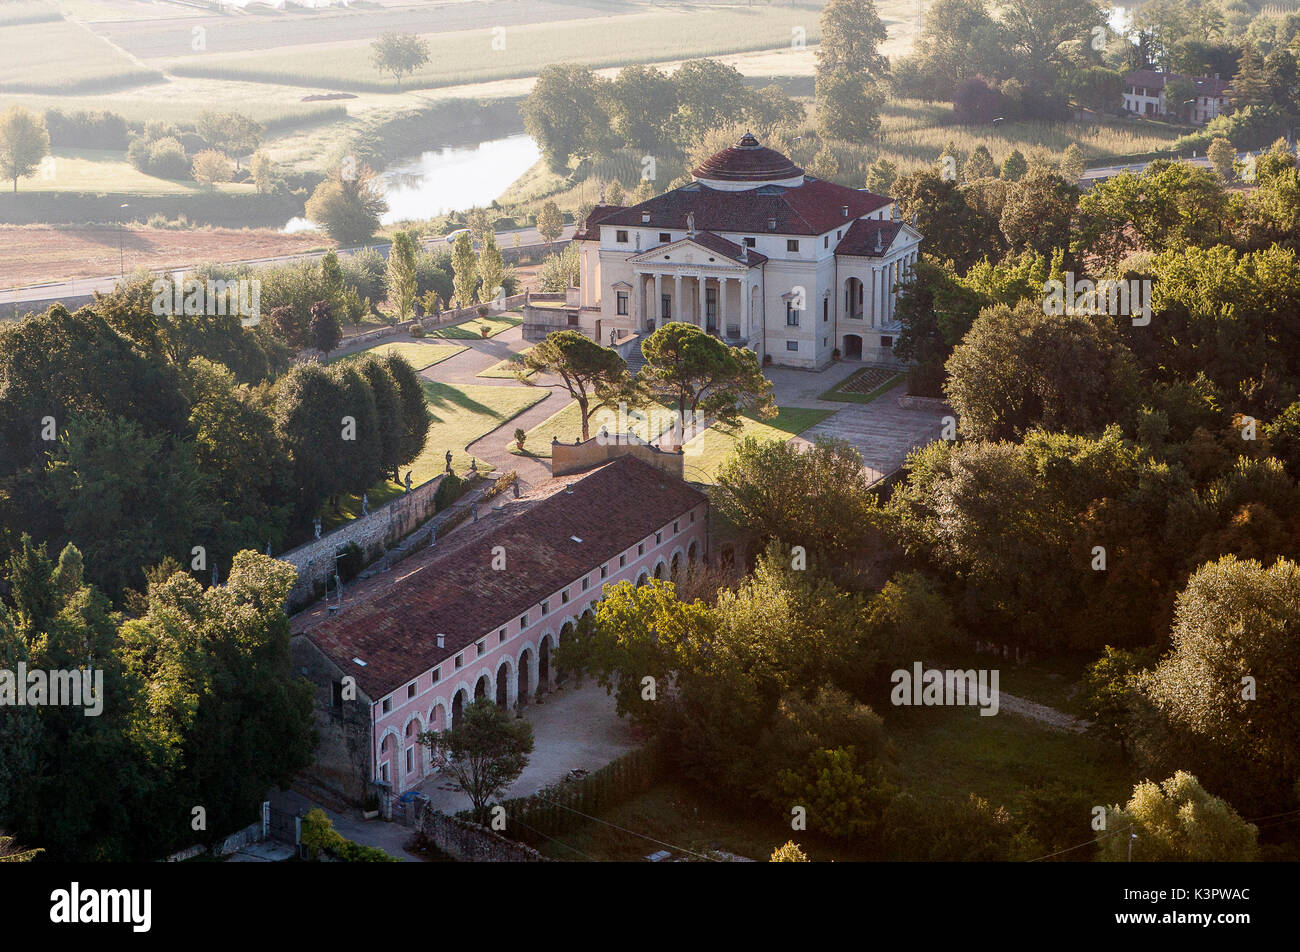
(374, 533)
(471, 843)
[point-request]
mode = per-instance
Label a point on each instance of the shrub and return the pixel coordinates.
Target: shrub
(417, 329)
(319, 836)
(450, 489)
(351, 562)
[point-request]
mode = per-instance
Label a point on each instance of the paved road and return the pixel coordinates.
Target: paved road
(1108, 171)
(85, 287)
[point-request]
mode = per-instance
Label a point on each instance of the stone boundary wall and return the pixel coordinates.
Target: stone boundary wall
(374, 533)
(471, 843)
(909, 402)
(571, 457)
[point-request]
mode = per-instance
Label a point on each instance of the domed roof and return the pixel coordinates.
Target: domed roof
(748, 163)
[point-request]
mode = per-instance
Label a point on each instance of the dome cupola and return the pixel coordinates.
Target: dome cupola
(747, 165)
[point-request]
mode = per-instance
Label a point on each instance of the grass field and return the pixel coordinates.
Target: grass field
(101, 170)
(62, 57)
(473, 329)
(567, 426)
(417, 353)
(707, 452)
(506, 368)
(458, 58)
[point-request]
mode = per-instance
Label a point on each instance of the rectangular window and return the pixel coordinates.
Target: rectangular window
(604, 570)
(482, 647)
(501, 636)
(659, 538)
(437, 674)
(751, 242)
(826, 309)
(675, 529)
(564, 595)
(546, 609)
(387, 706)
(665, 237)
(383, 772)
(620, 236)
(523, 621)
(410, 690)
(640, 548)
(666, 307)
(692, 518)
(791, 315)
(622, 302)
(622, 561)
(792, 345)
(410, 752)
(585, 582)
(886, 342)
(826, 241)
(460, 661)
(792, 244)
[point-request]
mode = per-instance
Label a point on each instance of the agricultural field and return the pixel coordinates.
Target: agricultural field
(454, 58)
(84, 61)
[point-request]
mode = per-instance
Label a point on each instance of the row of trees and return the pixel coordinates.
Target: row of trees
(124, 432)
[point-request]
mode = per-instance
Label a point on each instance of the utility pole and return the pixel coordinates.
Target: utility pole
(1131, 838)
(121, 252)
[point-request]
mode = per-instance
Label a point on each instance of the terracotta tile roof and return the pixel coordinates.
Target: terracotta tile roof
(860, 241)
(747, 161)
(391, 621)
(590, 230)
(813, 208)
(1148, 78)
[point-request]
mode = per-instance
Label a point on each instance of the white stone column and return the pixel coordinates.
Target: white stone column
(722, 305)
(638, 299)
(743, 320)
(700, 319)
(657, 311)
(677, 312)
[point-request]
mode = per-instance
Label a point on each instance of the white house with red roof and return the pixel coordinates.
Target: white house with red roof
(1144, 94)
(755, 251)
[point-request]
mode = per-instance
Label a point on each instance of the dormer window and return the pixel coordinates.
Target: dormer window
(771, 224)
(645, 218)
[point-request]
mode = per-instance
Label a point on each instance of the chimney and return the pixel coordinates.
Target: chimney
(771, 224)
(845, 210)
(879, 247)
(442, 640)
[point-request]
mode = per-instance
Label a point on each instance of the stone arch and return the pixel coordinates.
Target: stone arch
(483, 685)
(545, 665)
(642, 578)
(389, 743)
(410, 742)
(458, 702)
(505, 692)
(854, 298)
(693, 552)
(661, 570)
(675, 564)
(525, 674)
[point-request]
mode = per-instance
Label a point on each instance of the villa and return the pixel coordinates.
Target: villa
(753, 250)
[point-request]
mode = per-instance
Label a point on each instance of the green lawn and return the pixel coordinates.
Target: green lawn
(417, 353)
(102, 170)
(473, 329)
(951, 752)
(863, 386)
(656, 35)
(461, 415)
(567, 426)
(707, 452)
(506, 368)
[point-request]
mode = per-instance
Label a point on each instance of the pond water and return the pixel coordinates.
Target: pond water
(449, 179)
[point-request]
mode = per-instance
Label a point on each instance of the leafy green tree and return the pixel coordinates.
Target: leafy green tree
(595, 376)
(564, 113)
(216, 666)
(817, 498)
(464, 270)
(937, 206)
(24, 142)
(348, 205)
(414, 410)
(402, 283)
(491, 271)
(851, 35)
(1038, 211)
(710, 94)
(1224, 684)
(841, 799)
(1037, 28)
(1014, 166)
(701, 374)
(848, 106)
(388, 409)
(1107, 687)
(979, 164)
(1072, 166)
(643, 107)
(12, 853)
(76, 784)
(880, 176)
(126, 499)
(211, 167)
(1176, 820)
(1222, 157)
(483, 753)
(399, 54)
(324, 330)
(309, 409)
(550, 224)
(1250, 85)
(230, 132)
(356, 451)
